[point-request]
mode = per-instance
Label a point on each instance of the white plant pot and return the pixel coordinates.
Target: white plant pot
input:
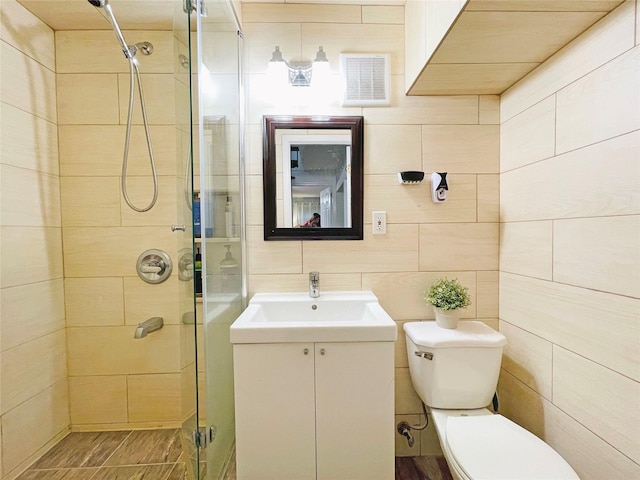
(447, 318)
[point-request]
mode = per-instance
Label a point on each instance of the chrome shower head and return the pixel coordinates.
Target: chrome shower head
(98, 3)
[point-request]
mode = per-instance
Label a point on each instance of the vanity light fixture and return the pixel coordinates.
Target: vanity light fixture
(298, 73)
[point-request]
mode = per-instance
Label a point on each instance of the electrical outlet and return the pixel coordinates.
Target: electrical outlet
(379, 223)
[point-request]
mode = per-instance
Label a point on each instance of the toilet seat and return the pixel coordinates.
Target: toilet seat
(491, 447)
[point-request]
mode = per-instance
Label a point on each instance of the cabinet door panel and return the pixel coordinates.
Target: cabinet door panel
(275, 411)
(355, 411)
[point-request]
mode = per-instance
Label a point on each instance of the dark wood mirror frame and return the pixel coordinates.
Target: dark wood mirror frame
(356, 126)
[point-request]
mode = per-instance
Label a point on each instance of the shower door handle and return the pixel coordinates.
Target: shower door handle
(182, 228)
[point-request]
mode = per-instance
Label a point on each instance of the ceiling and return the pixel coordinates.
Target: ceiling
(137, 14)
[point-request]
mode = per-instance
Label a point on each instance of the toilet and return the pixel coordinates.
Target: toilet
(455, 373)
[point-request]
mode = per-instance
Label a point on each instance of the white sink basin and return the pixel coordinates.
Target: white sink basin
(296, 317)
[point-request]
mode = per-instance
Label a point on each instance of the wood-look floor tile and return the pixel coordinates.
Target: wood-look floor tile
(59, 474)
(179, 472)
(433, 467)
(82, 449)
(148, 446)
(406, 469)
(141, 472)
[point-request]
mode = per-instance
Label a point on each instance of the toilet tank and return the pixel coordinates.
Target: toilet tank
(454, 368)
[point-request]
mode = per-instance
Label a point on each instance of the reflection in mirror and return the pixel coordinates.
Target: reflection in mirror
(313, 178)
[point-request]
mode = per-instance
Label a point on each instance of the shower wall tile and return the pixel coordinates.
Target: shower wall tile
(272, 257)
(261, 40)
(114, 351)
(610, 94)
(27, 84)
(337, 38)
(406, 399)
(580, 386)
(605, 40)
(98, 51)
(555, 180)
(412, 203)
(529, 358)
(98, 399)
(45, 416)
(105, 308)
(273, 13)
(397, 251)
(144, 300)
(27, 33)
(28, 141)
(92, 150)
(529, 136)
(24, 320)
(464, 246)
(22, 205)
(461, 148)
(600, 326)
(154, 398)
(110, 251)
(487, 291)
(616, 266)
(402, 294)
(300, 282)
(590, 455)
(488, 198)
(159, 98)
(82, 104)
(489, 109)
(44, 259)
(382, 14)
(254, 196)
(43, 361)
(140, 191)
(90, 201)
(392, 148)
(526, 248)
(407, 110)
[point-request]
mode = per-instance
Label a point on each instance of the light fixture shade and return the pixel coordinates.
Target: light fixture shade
(298, 74)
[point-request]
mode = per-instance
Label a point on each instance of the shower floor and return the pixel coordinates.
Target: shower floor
(157, 455)
(124, 455)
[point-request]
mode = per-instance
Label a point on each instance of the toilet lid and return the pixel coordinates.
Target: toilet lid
(491, 447)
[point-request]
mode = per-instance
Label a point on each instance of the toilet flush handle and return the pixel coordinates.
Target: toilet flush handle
(427, 355)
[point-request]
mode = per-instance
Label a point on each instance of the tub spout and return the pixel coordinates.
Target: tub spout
(148, 326)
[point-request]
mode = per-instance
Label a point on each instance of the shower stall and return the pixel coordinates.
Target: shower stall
(160, 172)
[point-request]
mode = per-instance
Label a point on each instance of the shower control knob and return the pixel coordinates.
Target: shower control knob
(182, 228)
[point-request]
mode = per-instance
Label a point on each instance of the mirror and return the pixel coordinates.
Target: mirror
(313, 178)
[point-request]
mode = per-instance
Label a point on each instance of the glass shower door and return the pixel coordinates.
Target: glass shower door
(189, 299)
(221, 194)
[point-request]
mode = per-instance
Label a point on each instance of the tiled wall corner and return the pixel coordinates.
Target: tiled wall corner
(570, 251)
(33, 346)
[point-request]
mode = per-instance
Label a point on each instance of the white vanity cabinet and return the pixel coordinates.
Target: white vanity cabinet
(314, 411)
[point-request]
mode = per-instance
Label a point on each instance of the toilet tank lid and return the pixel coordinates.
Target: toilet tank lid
(469, 333)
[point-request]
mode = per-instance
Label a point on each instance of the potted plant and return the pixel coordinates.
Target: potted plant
(447, 298)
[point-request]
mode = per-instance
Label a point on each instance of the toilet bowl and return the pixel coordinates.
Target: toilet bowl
(455, 372)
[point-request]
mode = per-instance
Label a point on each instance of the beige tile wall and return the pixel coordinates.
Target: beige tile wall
(424, 241)
(116, 381)
(33, 361)
(570, 249)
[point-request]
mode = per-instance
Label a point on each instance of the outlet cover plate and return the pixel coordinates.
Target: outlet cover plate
(379, 221)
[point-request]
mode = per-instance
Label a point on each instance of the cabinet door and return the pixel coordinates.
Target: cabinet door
(355, 411)
(275, 411)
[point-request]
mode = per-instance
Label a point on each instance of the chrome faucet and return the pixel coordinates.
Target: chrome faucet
(314, 284)
(148, 326)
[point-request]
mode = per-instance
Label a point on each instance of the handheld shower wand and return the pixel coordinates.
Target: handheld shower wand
(114, 23)
(130, 52)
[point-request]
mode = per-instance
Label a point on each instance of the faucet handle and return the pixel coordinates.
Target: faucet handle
(314, 276)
